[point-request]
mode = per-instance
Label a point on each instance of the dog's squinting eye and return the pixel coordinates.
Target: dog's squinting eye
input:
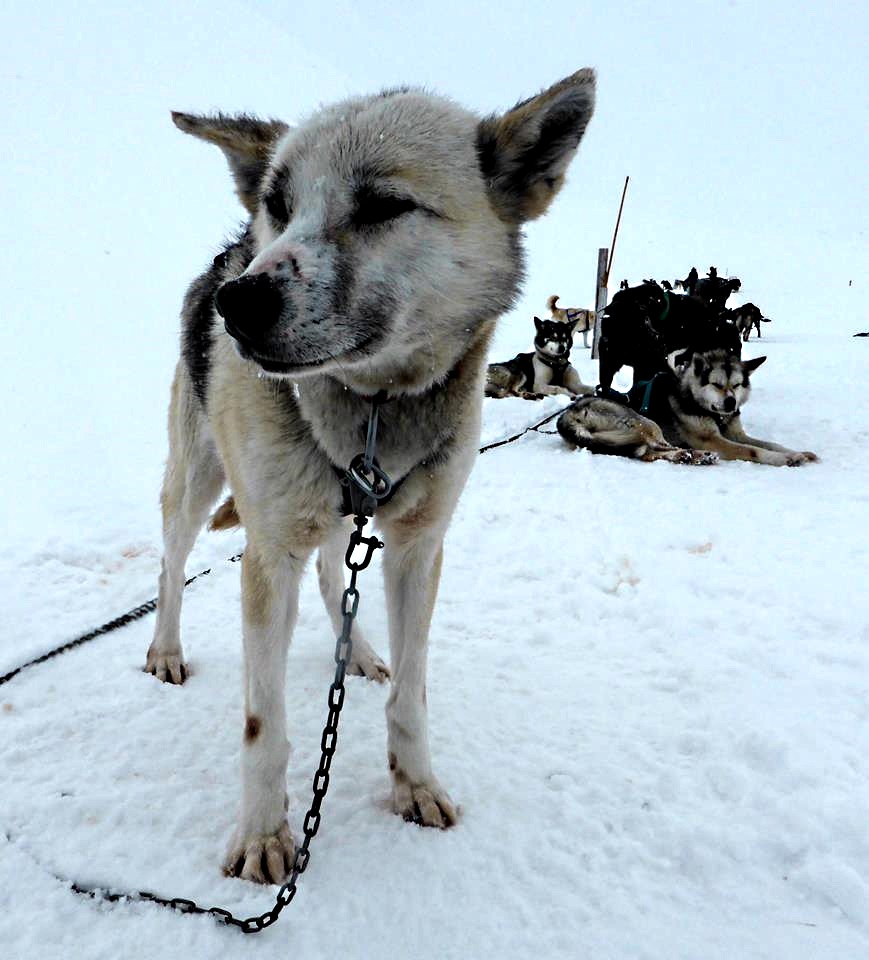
(373, 209)
(276, 204)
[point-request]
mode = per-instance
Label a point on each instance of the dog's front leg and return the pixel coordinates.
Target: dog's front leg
(411, 575)
(734, 431)
(734, 450)
(262, 847)
(573, 382)
(550, 391)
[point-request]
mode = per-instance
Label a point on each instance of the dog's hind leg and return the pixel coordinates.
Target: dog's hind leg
(411, 567)
(193, 481)
(330, 572)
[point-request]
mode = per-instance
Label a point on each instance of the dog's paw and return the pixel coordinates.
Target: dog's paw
(702, 458)
(364, 662)
(264, 858)
(426, 804)
(170, 668)
(798, 459)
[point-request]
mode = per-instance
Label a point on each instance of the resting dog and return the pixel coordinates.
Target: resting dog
(700, 406)
(545, 372)
(582, 320)
(691, 414)
(605, 426)
(382, 245)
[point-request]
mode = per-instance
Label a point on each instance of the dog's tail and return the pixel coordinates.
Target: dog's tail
(551, 302)
(225, 516)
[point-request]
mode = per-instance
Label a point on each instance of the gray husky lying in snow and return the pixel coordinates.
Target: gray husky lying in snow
(696, 406)
(606, 426)
(384, 241)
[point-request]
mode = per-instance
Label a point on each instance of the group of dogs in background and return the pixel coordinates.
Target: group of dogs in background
(689, 385)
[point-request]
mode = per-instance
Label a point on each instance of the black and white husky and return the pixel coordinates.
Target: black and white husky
(545, 372)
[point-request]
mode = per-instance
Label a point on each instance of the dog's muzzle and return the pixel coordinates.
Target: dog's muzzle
(251, 307)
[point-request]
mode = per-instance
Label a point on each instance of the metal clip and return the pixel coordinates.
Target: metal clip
(371, 544)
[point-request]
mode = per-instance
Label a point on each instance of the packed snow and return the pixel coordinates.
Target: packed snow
(647, 683)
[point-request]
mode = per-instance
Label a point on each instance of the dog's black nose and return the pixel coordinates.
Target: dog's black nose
(730, 404)
(250, 306)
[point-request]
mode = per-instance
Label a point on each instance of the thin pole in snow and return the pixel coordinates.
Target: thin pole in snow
(616, 231)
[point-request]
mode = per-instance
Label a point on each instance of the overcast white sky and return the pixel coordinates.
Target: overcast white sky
(741, 124)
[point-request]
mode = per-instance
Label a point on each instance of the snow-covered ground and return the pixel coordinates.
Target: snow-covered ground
(648, 683)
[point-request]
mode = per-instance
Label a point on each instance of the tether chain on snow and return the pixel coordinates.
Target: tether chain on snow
(328, 743)
(129, 617)
(368, 484)
(516, 436)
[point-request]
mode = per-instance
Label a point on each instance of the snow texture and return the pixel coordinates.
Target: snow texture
(647, 684)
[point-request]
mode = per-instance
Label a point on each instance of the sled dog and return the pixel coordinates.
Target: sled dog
(545, 372)
(746, 317)
(582, 320)
(606, 426)
(383, 241)
(700, 408)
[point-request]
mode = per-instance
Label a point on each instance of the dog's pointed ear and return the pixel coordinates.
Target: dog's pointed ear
(538, 323)
(524, 154)
(752, 365)
(677, 359)
(246, 142)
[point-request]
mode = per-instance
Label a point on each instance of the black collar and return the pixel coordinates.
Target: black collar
(557, 363)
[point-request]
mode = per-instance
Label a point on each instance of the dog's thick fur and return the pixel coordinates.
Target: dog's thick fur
(700, 408)
(605, 426)
(582, 319)
(382, 245)
(544, 373)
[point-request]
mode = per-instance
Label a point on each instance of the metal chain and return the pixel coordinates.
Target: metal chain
(328, 743)
(368, 484)
(129, 617)
(516, 436)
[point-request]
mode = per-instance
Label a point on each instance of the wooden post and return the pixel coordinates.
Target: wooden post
(600, 297)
